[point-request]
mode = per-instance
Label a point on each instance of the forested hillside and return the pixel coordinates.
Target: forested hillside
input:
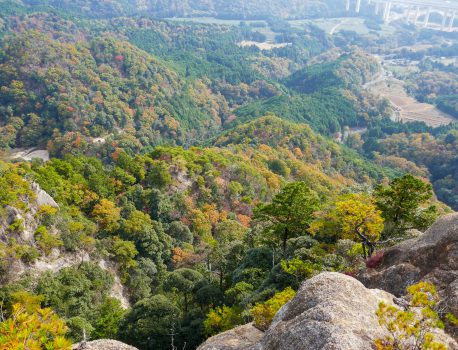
(163, 181)
(182, 8)
(185, 231)
(328, 96)
(95, 89)
(81, 84)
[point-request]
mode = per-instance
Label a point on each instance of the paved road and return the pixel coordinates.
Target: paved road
(333, 30)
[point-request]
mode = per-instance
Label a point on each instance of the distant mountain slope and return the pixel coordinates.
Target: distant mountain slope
(97, 88)
(351, 70)
(153, 82)
(326, 95)
(164, 8)
(295, 150)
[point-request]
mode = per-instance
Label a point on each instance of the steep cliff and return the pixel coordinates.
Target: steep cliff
(20, 224)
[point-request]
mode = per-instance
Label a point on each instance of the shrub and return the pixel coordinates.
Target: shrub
(108, 317)
(180, 232)
(279, 167)
(45, 214)
(159, 175)
(45, 241)
(79, 328)
(300, 269)
(263, 313)
(411, 329)
(124, 253)
(222, 319)
(375, 260)
(26, 253)
(28, 326)
(17, 226)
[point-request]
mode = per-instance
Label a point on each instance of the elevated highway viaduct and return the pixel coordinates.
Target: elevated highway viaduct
(412, 10)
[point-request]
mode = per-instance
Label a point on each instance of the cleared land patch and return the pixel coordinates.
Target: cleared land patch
(262, 46)
(407, 108)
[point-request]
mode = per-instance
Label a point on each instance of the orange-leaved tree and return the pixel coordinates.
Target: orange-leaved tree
(27, 326)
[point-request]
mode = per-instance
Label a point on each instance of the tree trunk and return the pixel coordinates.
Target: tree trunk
(285, 239)
(371, 249)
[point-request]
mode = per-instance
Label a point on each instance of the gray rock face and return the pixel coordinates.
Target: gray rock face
(30, 154)
(103, 344)
(240, 338)
(27, 216)
(43, 198)
(330, 311)
(432, 256)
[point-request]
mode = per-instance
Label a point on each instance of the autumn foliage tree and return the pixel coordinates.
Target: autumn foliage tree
(26, 326)
(264, 313)
(222, 319)
(107, 215)
(411, 329)
(354, 217)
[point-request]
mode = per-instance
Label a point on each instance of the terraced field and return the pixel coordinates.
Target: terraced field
(407, 108)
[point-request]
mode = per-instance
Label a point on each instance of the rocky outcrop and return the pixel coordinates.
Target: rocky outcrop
(42, 197)
(432, 256)
(243, 337)
(27, 216)
(57, 259)
(103, 344)
(30, 154)
(330, 311)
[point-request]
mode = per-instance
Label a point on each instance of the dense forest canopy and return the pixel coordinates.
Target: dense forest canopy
(183, 176)
(184, 8)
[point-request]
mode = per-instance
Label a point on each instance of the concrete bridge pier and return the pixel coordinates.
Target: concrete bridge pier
(413, 10)
(358, 6)
(428, 13)
(385, 11)
(409, 9)
(444, 20)
(377, 7)
(452, 19)
(417, 14)
(386, 14)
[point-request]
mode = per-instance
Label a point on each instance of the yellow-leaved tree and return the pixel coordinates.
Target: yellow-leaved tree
(264, 313)
(222, 319)
(27, 326)
(354, 217)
